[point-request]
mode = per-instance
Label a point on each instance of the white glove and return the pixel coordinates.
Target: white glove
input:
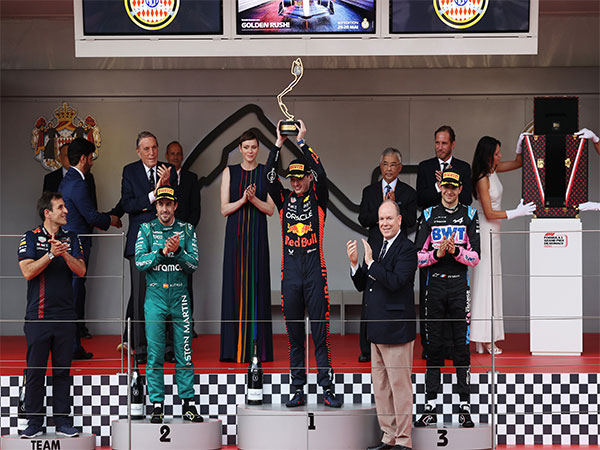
(519, 149)
(589, 206)
(521, 210)
(584, 133)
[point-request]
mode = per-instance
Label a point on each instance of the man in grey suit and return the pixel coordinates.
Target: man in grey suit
(387, 278)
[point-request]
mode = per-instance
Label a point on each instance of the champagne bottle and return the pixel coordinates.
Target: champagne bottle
(255, 379)
(137, 393)
(22, 416)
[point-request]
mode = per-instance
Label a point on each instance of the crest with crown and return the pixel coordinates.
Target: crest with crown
(48, 135)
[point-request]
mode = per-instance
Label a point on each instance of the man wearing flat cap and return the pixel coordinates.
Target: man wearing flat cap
(166, 249)
(304, 275)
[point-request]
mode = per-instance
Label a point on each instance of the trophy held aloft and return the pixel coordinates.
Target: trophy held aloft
(289, 126)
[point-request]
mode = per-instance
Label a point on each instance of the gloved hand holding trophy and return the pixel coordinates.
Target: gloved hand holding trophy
(290, 127)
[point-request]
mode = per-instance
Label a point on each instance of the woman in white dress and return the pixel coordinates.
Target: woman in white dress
(488, 190)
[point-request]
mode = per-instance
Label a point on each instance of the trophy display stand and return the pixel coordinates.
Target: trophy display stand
(171, 434)
(49, 441)
(556, 287)
(452, 437)
(313, 426)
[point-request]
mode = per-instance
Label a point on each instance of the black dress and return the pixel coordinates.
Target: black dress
(246, 299)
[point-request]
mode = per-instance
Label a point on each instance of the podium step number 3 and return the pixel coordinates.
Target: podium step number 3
(452, 437)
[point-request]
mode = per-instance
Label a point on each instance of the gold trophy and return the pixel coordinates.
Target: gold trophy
(290, 127)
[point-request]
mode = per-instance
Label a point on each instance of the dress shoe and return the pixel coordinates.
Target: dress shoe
(364, 358)
(80, 354)
(170, 357)
(381, 446)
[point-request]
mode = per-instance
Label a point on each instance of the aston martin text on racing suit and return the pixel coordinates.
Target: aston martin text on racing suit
(304, 275)
(167, 298)
(447, 295)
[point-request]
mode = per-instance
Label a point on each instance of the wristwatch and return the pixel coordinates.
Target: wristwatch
(50, 255)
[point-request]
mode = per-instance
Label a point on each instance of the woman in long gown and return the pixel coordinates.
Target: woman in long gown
(246, 297)
(488, 190)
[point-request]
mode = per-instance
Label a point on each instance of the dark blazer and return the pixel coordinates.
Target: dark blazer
(82, 214)
(53, 179)
(188, 200)
(388, 292)
(134, 199)
(372, 197)
(427, 195)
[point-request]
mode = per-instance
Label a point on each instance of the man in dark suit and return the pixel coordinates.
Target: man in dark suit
(188, 208)
(82, 217)
(389, 305)
(429, 175)
(138, 195)
(389, 188)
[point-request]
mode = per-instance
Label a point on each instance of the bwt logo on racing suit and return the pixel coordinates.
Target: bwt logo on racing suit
(439, 233)
(167, 268)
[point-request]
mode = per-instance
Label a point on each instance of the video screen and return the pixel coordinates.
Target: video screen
(459, 16)
(305, 17)
(152, 17)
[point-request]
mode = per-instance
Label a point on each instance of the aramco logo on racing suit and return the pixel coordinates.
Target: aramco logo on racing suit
(167, 268)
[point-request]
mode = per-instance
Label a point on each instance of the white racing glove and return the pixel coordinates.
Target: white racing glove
(584, 133)
(519, 148)
(589, 206)
(521, 210)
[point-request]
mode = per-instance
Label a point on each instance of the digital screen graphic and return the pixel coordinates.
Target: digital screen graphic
(152, 17)
(305, 17)
(459, 16)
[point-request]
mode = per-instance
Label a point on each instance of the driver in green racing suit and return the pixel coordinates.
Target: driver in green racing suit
(166, 249)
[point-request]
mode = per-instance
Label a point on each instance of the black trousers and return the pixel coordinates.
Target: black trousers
(304, 287)
(447, 297)
(135, 308)
(79, 292)
(45, 337)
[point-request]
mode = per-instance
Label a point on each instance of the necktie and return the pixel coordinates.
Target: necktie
(387, 190)
(444, 166)
(151, 179)
(382, 252)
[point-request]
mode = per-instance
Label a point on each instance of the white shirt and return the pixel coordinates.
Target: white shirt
(392, 185)
(80, 172)
(389, 244)
(441, 163)
(151, 196)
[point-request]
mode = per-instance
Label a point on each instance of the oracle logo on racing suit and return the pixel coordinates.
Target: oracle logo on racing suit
(439, 233)
(298, 217)
(167, 268)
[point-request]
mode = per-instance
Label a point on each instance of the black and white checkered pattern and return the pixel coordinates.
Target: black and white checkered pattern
(531, 408)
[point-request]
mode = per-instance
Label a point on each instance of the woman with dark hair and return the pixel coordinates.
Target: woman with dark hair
(488, 190)
(246, 296)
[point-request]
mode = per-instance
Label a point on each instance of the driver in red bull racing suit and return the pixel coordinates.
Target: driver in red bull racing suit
(448, 243)
(167, 250)
(304, 275)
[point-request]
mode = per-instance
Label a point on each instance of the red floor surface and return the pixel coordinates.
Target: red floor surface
(345, 349)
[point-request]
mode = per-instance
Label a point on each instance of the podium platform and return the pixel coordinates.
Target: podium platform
(170, 435)
(313, 426)
(49, 441)
(452, 437)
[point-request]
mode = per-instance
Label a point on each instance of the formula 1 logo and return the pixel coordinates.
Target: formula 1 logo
(460, 14)
(152, 14)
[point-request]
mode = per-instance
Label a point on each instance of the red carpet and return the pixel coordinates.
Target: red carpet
(345, 350)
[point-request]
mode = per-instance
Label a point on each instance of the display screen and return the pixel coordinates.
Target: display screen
(152, 17)
(305, 17)
(459, 16)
